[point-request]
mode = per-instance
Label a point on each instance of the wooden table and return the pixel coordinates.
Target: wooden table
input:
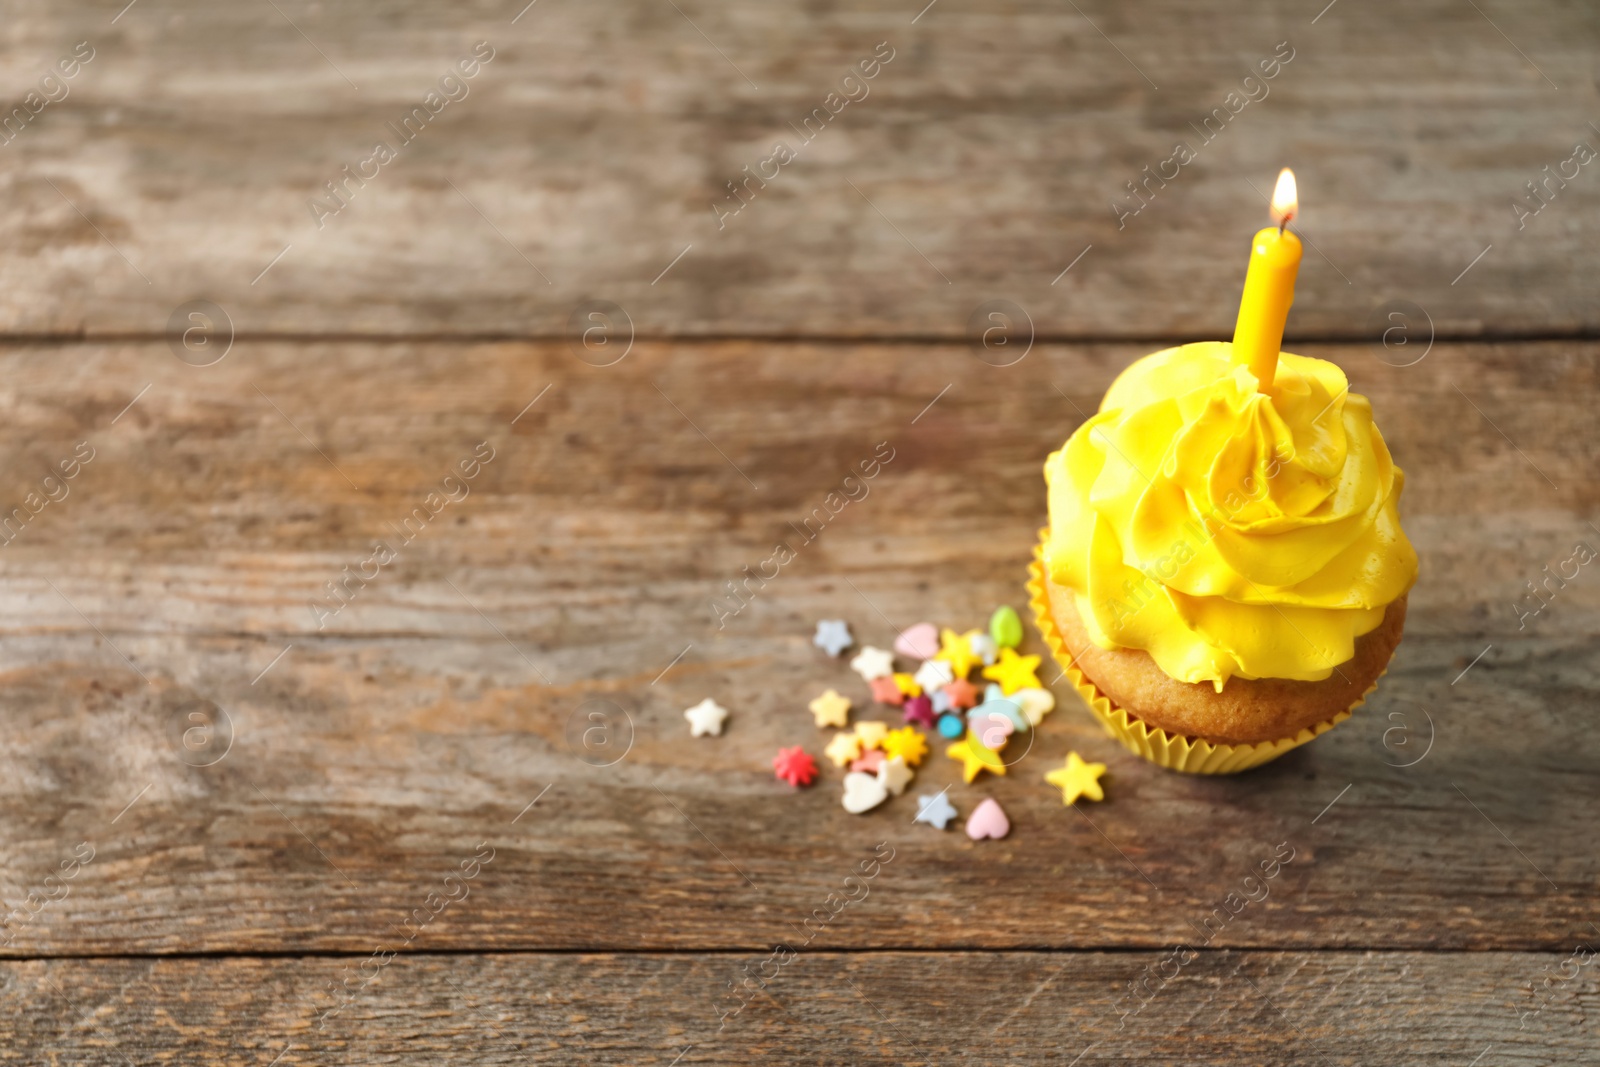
(271, 797)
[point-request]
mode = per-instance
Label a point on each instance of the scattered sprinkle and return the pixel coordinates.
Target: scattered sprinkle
(706, 718)
(987, 820)
(935, 810)
(1078, 779)
(872, 663)
(833, 636)
(831, 709)
(918, 642)
(794, 766)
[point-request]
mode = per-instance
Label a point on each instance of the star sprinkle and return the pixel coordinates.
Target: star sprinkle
(955, 650)
(1078, 779)
(983, 646)
(939, 701)
(920, 710)
(872, 663)
(908, 685)
(907, 744)
(936, 811)
(833, 636)
(843, 748)
(962, 694)
(705, 718)
(934, 674)
(871, 734)
(869, 762)
(887, 691)
(895, 775)
(794, 766)
(831, 709)
(1014, 672)
(975, 757)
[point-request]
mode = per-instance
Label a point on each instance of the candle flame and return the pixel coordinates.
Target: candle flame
(1285, 198)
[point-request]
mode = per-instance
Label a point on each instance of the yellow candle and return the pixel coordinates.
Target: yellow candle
(1268, 288)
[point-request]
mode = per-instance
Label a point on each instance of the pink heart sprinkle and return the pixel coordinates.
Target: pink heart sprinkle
(918, 642)
(987, 820)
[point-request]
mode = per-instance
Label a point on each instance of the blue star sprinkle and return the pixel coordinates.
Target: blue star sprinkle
(935, 810)
(833, 636)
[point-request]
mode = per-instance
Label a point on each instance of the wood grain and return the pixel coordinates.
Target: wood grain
(821, 1008)
(578, 577)
(588, 155)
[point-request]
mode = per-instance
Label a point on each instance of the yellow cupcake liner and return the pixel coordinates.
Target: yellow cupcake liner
(1175, 752)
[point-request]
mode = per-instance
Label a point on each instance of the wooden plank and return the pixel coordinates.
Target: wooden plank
(817, 1008)
(598, 145)
(374, 756)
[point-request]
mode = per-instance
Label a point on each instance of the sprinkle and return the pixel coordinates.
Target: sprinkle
(987, 820)
(962, 694)
(907, 744)
(908, 685)
(1078, 779)
(951, 726)
(869, 761)
(872, 663)
(983, 646)
(935, 810)
(833, 636)
(895, 776)
(843, 748)
(794, 766)
(920, 710)
(918, 642)
(1035, 703)
(831, 709)
(934, 674)
(1005, 627)
(956, 650)
(871, 734)
(863, 792)
(1014, 672)
(975, 757)
(887, 691)
(705, 718)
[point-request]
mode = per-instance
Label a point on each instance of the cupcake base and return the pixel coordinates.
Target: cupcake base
(1173, 751)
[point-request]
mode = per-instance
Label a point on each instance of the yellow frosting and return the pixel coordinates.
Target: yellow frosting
(1224, 531)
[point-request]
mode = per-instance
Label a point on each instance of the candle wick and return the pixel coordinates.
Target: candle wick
(1287, 216)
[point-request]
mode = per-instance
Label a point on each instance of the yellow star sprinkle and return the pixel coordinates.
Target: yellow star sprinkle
(831, 709)
(907, 685)
(1013, 672)
(975, 757)
(843, 748)
(906, 743)
(871, 734)
(956, 651)
(1078, 779)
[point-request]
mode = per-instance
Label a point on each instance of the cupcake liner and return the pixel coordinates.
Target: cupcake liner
(1173, 751)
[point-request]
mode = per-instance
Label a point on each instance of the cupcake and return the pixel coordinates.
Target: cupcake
(1224, 575)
